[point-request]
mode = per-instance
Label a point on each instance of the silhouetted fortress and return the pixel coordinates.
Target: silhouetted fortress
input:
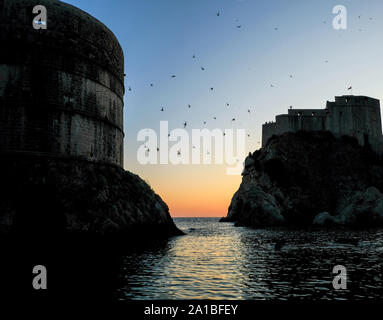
(61, 89)
(355, 116)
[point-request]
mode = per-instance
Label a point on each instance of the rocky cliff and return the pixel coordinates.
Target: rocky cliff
(50, 196)
(79, 220)
(310, 178)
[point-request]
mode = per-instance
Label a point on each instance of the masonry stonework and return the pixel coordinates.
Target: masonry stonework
(355, 116)
(62, 88)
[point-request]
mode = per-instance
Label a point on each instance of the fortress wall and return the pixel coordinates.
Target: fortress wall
(61, 89)
(268, 129)
(356, 116)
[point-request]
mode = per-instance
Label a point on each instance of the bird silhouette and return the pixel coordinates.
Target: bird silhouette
(151, 84)
(211, 88)
(290, 76)
(272, 86)
(130, 89)
(248, 111)
(202, 68)
(233, 119)
(189, 106)
(162, 109)
(179, 152)
(193, 56)
(227, 104)
(173, 76)
(239, 26)
(276, 28)
(218, 14)
(214, 118)
(185, 124)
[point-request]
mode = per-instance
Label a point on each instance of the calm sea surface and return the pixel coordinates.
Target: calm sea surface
(219, 261)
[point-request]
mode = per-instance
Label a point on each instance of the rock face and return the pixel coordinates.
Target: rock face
(79, 197)
(77, 218)
(310, 178)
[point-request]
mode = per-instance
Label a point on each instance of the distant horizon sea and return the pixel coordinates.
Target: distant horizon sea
(216, 260)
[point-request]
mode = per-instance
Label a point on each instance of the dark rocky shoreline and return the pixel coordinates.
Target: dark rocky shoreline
(79, 219)
(79, 197)
(310, 178)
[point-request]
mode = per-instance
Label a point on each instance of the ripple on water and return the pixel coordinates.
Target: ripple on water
(219, 261)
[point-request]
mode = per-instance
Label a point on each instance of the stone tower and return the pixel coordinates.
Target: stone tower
(354, 116)
(61, 88)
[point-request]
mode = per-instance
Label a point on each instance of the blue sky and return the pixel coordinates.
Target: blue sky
(159, 38)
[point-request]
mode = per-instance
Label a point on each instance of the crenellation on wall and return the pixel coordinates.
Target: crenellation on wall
(355, 116)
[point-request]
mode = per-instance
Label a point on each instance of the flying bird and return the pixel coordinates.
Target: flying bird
(189, 106)
(276, 28)
(233, 119)
(239, 26)
(291, 76)
(227, 104)
(162, 109)
(173, 76)
(202, 68)
(272, 85)
(211, 88)
(185, 124)
(193, 56)
(214, 118)
(248, 111)
(218, 14)
(151, 84)
(130, 89)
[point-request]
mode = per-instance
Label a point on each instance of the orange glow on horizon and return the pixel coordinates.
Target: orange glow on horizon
(193, 191)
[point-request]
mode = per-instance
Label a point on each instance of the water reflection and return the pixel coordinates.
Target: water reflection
(218, 261)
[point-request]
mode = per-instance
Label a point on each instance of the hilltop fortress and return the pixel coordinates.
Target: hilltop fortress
(355, 116)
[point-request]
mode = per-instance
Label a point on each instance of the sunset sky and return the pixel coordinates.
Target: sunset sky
(277, 38)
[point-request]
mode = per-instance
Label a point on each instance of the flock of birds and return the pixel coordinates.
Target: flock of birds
(204, 68)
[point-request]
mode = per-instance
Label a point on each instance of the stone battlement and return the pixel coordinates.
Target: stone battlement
(355, 116)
